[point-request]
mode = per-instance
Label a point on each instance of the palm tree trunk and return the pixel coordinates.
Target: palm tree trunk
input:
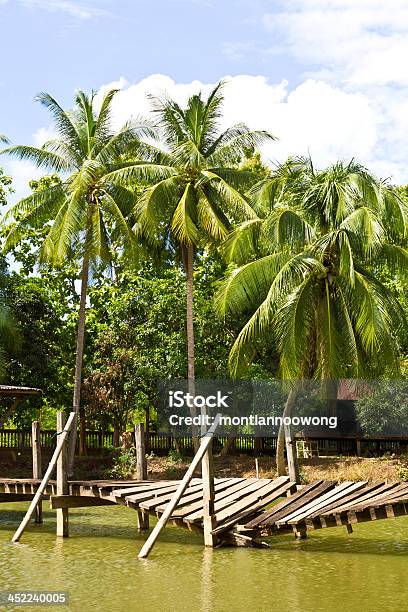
(82, 432)
(189, 264)
(190, 322)
(284, 438)
(78, 361)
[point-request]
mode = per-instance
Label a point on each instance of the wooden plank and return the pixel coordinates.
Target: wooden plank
(141, 488)
(324, 488)
(189, 499)
(340, 491)
(248, 506)
(75, 501)
(196, 507)
(164, 493)
(47, 475)
(37, 465)
(398, 494)
(7, 498)
(272, 490)
(287, 504)
(152, 503)
(363, 496)
(349, 499)
(252, 486)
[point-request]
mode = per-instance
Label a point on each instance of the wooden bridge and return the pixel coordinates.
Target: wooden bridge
(246, 509)
(236, 511)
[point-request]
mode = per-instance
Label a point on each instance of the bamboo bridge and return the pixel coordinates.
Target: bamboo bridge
(234, 511)
(246, 509)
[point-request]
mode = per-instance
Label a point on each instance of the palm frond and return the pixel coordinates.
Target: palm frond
(63, 120)
(240, 245)
(184, 222)
(40, 157)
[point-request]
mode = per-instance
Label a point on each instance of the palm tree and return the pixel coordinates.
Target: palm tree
(89, 207)
(195, 192)
(308, 274)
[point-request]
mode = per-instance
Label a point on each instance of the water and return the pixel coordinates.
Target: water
(98, 565)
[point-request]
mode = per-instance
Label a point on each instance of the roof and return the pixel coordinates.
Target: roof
(15, 391)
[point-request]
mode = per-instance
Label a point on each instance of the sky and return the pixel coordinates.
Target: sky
(327, 77)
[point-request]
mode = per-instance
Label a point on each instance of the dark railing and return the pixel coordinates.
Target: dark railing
(163, 443)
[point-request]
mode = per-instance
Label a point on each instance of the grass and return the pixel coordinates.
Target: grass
(389, 467)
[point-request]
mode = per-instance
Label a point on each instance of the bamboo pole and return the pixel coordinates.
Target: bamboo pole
(207, 474)
(46, 478)
(205, 443)
(37, 465)
(141, 470)
(141, 463)
(62, 481)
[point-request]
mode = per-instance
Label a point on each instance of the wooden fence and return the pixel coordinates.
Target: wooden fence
(162, 443)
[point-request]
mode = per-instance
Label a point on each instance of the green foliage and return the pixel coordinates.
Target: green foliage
(194, 188)
(5, 186)
(44, 359)
(383, 409)
(90, 197)
(308, 274)
(124, 464)
(137, 338)
(174, 456)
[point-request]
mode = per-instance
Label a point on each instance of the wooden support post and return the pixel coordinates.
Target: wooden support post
(207, 472)
(291, 453)
(358, 447)
(300, 531)
(349, 528)
(37, 466)
(37, 497)
(62, 481)
(141, 462)
(142, 520)
(141, 469)
(205, 443)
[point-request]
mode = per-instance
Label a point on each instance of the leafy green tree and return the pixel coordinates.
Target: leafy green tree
(43, 349)
(382, 408)
(308, 273)
(87, 201)
(143, 317)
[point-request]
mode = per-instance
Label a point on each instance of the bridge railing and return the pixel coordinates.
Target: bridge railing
(162, 443)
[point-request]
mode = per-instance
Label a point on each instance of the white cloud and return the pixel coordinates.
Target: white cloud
(315, 116)
(73, 8)
(358, 42)
(44, 134)
(360, 47)
(22, 173)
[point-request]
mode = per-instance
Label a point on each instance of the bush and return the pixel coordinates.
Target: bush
(124, 464)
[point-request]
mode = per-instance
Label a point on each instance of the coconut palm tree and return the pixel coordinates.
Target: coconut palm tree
(307, 271)
(89, 207)
(195, 189)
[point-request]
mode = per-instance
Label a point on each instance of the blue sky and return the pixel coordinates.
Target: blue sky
(328, 76)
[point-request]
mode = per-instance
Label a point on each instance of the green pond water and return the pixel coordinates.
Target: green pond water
(330, 571)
